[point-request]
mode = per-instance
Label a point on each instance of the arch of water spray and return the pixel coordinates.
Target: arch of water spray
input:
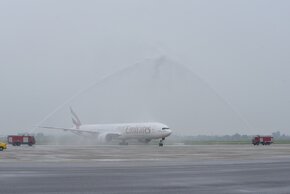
(159, 61)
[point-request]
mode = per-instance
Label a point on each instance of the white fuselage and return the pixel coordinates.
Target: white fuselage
(141, 131)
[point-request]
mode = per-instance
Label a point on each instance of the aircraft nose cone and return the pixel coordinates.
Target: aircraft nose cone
(168, 132)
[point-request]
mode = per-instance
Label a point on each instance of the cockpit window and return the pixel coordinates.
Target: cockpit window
(164, 128)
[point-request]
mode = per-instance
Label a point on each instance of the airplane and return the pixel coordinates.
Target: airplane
(143, 132)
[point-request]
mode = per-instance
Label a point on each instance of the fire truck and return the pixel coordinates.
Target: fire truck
(264, 140)
(17, 140)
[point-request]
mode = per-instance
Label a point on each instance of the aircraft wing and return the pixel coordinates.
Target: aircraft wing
(78, 131)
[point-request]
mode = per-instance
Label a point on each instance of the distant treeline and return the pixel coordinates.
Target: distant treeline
(235, 138)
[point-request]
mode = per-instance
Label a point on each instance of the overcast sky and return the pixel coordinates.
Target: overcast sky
(49, 50)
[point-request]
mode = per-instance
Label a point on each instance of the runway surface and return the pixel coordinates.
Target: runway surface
(145, 169)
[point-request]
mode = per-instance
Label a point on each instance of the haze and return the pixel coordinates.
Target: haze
(224, 64)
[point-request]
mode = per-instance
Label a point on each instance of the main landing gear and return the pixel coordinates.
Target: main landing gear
(123, 143)
(161, 142)
(145, 141)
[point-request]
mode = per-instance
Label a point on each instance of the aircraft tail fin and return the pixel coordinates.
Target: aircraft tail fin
(75, 119)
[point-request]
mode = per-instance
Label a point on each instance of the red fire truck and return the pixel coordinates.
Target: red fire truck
(264, 140)
(17, 140)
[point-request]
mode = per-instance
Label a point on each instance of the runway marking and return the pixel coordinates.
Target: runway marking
(245, 191)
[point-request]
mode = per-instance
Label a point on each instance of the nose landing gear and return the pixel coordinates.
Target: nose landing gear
(161, 142)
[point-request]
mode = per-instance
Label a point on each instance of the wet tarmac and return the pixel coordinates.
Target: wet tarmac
(145, 169)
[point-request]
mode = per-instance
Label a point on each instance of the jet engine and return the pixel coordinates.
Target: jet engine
(106, 137)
